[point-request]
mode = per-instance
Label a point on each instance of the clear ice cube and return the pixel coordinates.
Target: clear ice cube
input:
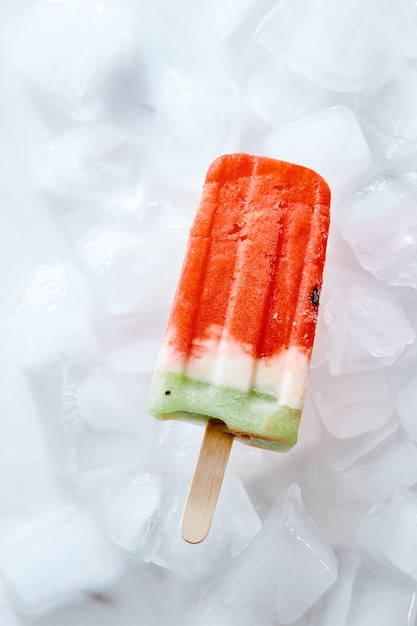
(122, 254)
(381, 595)
(211, 612)
(366, 325)
(368, 467)
(52, 316)
(235, 21)
(7, 614)
(26, 460)
(366, 593)
(104, 416)
(81, 54)
(57, 560)
(286, 568)
(192, 129)
(46, 292)
(316, 141)
(328, 41)
(96, 161)
(149, 528)
(273, 90)
(406, 400)
(379, 223)
(389, 106)
(353, 403)
(395, 526)
(176, 445)
(131, 515)
(131, 343)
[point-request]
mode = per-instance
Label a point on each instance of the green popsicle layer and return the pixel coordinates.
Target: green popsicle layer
(254, 418)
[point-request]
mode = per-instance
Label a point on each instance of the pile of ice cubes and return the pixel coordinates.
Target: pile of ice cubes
(111, 114)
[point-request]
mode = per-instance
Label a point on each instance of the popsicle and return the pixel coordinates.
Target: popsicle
(237, 347)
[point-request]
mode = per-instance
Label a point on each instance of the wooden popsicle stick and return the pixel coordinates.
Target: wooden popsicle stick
(207, 480)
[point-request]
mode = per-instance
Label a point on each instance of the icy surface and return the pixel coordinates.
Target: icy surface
(122, 255)
(371, 470)
(329, 41)
(195, 123)
(101, 416)
(301, 565)
(395, 526)
(379, 222)
(406, 401)
(316, 141)
(367, 593)
(99, 161)
(273, 90)
(366, 326)
(111, 112)
(354, 403)
(81, 54)
(389, 107)
(148, 529)
(59, 559)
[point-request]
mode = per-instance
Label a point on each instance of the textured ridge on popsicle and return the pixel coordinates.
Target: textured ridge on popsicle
(240, 334)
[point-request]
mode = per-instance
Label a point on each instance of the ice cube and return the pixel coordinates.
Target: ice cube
(366, 325)
(52, 317)
(235, 21)
(316, 141)
(235, 524)
(351, 404)
(46, 292)
(286, 568)
(367, 592)
(380, 225)
(123, 255)
(176, 445)
(96, 161)
(381, 595)
(389, 106)
(104, 415)
(406, 400)
(395, 525)
(41, 340)
(26, 461)
(8, 616)
(57, 560)
(272, 90)
(150, 530)
(330, 42)
(333, 606)
(369, 467)
(132, 510)
(211, 612)
(192, 129)
(83, 53)
(130, 343)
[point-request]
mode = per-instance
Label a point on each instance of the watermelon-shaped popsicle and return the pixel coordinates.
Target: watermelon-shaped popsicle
(237, 347)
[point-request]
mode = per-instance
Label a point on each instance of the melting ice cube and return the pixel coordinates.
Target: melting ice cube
(82, 53)
(287, 567)
(367, 326)
(97, 161)
(379, 222)
(57, 561)
(104, 415)
(314, 141)
(142, 511)
(390, 105)
(366, 593)
(328, 41)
